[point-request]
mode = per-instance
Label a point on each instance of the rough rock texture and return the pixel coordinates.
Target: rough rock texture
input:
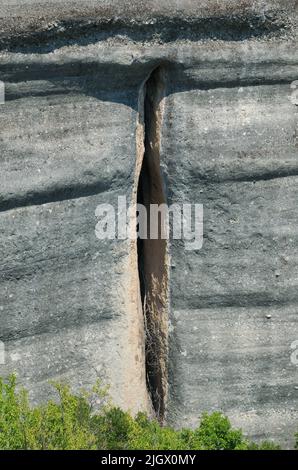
(71, 138)
(238, 156)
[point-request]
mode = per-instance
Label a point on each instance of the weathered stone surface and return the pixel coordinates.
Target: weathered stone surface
(237, 156)
(70, 140)
(66, 309)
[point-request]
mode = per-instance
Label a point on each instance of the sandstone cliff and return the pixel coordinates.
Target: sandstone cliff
(74, 130)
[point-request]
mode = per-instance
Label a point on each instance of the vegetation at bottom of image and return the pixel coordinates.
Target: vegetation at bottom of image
(90, 421)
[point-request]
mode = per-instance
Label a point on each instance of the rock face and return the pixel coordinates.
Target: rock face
(75, 129)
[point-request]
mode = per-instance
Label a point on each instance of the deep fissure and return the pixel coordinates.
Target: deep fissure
(153, 253)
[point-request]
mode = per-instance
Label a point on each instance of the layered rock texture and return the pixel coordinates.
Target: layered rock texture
(158, 101)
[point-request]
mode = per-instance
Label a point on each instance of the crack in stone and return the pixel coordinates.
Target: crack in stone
(153, 258)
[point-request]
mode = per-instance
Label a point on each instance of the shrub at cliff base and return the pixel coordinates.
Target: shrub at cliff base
(90, 421)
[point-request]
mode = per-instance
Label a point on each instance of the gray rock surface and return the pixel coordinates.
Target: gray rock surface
(70, 303)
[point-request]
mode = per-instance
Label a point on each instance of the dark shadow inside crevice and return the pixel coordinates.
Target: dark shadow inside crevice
(152, 253)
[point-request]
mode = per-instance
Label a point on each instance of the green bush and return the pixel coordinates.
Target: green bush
(147, 434)
(215, 433)
(73, 422)
(62, 425)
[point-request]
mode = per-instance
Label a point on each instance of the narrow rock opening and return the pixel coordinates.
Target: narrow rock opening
(153, 253)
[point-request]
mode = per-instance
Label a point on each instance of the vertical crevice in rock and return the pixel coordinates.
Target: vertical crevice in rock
(153, 253)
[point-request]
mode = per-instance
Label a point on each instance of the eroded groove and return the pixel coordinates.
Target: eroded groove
(226, 25)
(153, 254)
(253, 177)
(51, 195)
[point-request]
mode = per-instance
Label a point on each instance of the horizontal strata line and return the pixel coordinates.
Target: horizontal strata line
(268, 176)
(229, 305)
(241, 82)
(236, 309)
(200, 86)
(234, 27)
(10, 336)
(253, 300)
(38, 198)
(28, 269)
(191, 83)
